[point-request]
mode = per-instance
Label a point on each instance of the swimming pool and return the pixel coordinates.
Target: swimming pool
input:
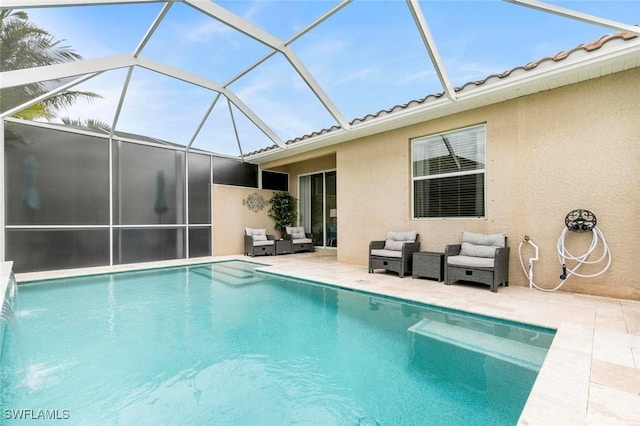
(223, 344)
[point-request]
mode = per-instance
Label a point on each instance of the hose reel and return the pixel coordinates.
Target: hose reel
(579, 221)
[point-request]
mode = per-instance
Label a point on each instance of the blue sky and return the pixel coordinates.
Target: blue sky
(367, 57)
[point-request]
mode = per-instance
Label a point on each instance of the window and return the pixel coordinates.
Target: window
(449, 174)
(232, 171)
(276, 181)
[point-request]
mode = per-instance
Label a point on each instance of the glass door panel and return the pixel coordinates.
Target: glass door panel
(318, 208)
(331, 209)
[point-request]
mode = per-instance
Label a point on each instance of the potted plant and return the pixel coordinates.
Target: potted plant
(282, 210)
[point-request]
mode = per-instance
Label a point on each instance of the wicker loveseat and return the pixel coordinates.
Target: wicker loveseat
(300, 240)
(479, 258)
(257, 242)
(395, 253)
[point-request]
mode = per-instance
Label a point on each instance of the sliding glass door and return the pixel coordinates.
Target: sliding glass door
(318, 207)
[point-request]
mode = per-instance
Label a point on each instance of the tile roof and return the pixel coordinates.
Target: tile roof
(558, 57)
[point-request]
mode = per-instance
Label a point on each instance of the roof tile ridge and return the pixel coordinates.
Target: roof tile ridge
(560, 56)
(563, 54)
(593, 45)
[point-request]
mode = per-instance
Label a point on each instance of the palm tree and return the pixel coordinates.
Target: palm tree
(89, 122)
(24, 45)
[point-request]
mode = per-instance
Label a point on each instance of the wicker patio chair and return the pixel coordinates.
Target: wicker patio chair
(257, 242)
(479, 258)
(302, 241)
(395, 253)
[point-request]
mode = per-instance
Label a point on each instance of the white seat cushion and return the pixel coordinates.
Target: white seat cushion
(386, 253)
(263, 243)
(302, 241)
(471, 262)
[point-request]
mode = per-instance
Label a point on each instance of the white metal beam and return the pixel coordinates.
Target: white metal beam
(178, 73)
(251, 30)
(315, 87)
(304, 74)
(47, 95)
(123, 94)
(250, 68)
(208, 84)
(29, 4)
(234, 21)
(430, 44)
(319, 20)
(204, 120)
(152, 29)
(296, 36)
(58, 71)
(254, 118)
(605, 61)
(568, 13)
(235, 128)
(67, 69)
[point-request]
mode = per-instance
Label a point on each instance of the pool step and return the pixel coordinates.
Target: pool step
(228, 274)
(478, 356)
(467, 337)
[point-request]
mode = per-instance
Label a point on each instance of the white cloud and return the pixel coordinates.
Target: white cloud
(361, 64)
(88, 37)
(255, 9)
(154, 105)
(204, 32)
(289, 114)
(107, 85)
(420, 76)
(357, 75)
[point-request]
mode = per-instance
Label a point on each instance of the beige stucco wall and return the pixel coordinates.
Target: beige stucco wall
(547, 154)
(323, 163)
(230, 216)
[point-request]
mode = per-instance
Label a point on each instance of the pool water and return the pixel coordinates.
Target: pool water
(222, 344)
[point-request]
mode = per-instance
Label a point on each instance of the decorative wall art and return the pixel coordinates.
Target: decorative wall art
(254, 202)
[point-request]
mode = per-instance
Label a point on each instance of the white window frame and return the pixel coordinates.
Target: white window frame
(482, 171)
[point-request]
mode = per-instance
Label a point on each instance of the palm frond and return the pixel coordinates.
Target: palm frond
(68, 98)
(25, 45)
(34, 112)
(90, 123)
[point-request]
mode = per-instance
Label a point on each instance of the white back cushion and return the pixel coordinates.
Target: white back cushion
(395, 240)
(408, 236)
(481, 245)
(257, 234)
(296, 231)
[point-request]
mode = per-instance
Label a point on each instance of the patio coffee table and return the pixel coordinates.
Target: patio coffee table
(428, 264)
(284, 247)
